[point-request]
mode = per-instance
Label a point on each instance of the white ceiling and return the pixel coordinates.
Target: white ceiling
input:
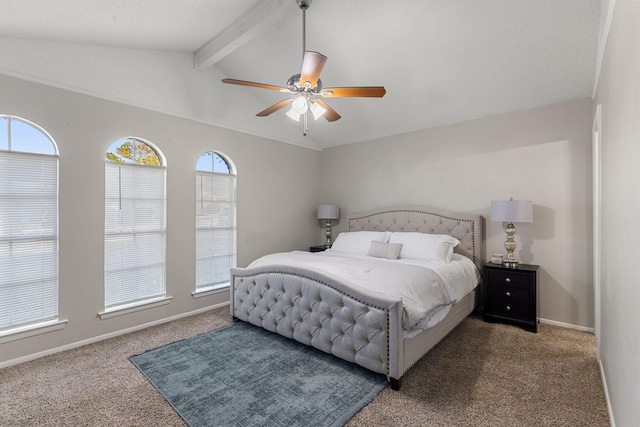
(441, 61)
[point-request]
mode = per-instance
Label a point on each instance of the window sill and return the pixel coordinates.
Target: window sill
(32, 330)
(210, 291)
(132, 308)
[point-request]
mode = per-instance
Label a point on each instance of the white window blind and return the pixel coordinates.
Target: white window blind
(28, 238)
(135, 234)
(215, 229)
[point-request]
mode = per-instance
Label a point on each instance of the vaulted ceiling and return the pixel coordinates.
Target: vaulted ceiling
(441, 61)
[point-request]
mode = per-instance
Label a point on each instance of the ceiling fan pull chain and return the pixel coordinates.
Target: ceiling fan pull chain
(305, 124)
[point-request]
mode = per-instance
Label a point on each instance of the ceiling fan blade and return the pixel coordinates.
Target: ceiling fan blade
(275, 107)
(348, 92)
(254, 84)
(312, 65)
(331, 115)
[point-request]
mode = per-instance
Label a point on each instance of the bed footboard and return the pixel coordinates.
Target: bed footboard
(324, 312)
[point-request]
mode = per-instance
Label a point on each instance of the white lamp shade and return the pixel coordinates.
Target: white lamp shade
(299, 105)
(293, 115)
(328, 212)
(317, 110)
(512, 210)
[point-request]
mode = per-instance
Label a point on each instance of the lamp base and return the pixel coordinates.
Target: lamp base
(511, 264)
(510, 261)
(327, 243)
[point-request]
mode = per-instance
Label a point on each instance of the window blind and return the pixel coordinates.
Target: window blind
(135, 233)
(215, 229)
(28, 238)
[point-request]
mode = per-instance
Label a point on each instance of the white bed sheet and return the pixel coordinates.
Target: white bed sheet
(427, 288)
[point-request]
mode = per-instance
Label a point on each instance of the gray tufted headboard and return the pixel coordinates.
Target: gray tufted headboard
(465, 227)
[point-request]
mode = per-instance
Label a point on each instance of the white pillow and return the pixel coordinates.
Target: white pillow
(358, 242)
(422, 246)
(384, 250)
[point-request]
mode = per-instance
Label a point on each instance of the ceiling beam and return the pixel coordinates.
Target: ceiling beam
(262, 16)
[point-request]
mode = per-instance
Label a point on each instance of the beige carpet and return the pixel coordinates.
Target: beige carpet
(480, 375)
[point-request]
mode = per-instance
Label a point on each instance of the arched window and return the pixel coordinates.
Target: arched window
(215, 221)
(135, 224)
(28, 225)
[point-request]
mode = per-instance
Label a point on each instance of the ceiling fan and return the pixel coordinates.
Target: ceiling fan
(307, 86)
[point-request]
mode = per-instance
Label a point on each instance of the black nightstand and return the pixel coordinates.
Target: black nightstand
(511, 295)
(317, 248)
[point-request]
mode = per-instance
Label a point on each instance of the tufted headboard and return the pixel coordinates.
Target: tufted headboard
(465, 227)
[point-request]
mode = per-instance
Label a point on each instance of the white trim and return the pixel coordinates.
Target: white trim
(607, 398)
(596, 156)
(38, 127)
(602, 42)
(77, 344)
(566, 325)
(132, 308)
(31, 330)
(210, 291)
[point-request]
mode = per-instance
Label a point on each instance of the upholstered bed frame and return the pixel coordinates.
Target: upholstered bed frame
(353, 324)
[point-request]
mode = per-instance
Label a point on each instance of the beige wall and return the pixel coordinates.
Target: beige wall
(618, 94)
(543, 155)
(277, 196)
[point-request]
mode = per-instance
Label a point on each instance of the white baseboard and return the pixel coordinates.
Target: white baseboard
(567, 325)
(606, 394)
(106, 336)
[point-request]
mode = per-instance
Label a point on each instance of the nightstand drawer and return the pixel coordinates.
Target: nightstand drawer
(511, 309)
(511, 295)
(508, 293)
(508, 277)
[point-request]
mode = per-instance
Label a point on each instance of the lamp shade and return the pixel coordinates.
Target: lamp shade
(317, 110)
(512, 210)
(328, 212)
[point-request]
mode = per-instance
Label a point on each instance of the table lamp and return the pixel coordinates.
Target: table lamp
(511, 211)
(327, 213)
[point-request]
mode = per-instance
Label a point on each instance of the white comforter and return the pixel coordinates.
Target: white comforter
(427, 288)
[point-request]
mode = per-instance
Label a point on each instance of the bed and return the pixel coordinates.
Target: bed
(336, 314)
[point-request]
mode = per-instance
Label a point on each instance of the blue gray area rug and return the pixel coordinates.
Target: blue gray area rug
(241, 375)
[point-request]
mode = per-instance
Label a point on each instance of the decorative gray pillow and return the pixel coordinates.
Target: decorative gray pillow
(384, 250)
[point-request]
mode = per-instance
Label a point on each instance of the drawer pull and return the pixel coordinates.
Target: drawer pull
(508, 280)
(508, 294)
(508, 308)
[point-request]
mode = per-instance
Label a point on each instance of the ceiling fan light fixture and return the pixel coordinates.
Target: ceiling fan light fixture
(300, 105)
(317, 110)
(293, 115)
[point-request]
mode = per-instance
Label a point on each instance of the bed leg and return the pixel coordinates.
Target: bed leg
(395, 384)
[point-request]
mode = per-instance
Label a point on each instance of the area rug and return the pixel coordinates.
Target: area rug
(242, 375)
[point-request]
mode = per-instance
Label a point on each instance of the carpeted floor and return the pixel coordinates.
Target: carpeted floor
(486, 374)
(480, 375)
